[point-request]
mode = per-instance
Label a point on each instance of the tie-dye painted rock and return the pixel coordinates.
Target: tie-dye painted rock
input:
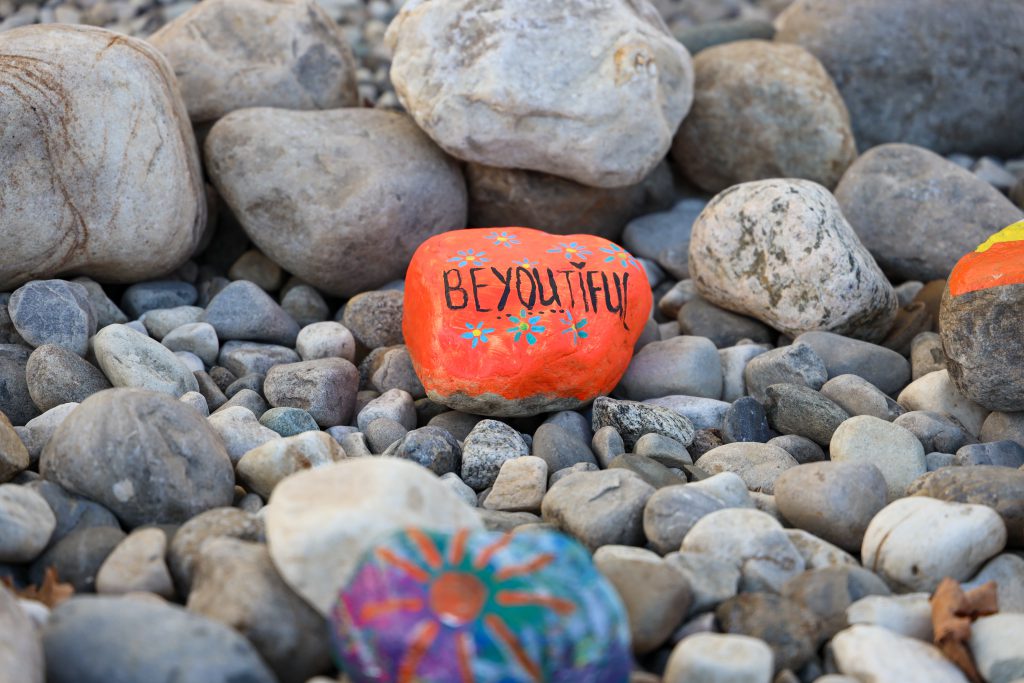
(982, 322)
(480, 607)
(515, 321)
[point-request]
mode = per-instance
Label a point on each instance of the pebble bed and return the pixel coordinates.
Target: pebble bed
(770, 504)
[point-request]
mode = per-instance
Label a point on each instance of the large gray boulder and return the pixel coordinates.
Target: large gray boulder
(101, 168)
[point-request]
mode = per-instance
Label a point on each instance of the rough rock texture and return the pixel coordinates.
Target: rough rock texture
(340, 198)
(1001, 489)
(494, 88)
(904, 71)
(232, 54)
(775, 98)
(916, 212)
(781, 251)
(144, 455)
(96, 171)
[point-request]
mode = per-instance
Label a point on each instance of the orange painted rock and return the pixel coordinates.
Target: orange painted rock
(514, 321)
(982, 322)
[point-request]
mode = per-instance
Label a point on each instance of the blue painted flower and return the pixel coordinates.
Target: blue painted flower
(575, 327)
(477, 334)
(469, 256)
(619, 254)
(504, 239)
(525, 326)
(526, 263)
(571, 251)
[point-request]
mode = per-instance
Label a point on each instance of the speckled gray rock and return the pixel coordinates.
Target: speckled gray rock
(56, 376)
(1001, 489)
(91, 188)
(232, 54)
(375, 318)
(433, 447)
(130, 359)
(326, 388)
(488, 445)
(857, 396)
(94, 639)
(937, 392)
(796, 409)
(347, 227)
(145, 456)
(681, 365)
(832, 500)
(184, 551)
(325, 340)
(599, 508)
(945, 210)
(895, 451)
(54, 312)
(601, 111)
(21, 652)
(793, 364)
(27, 522)
(937, 433)
(884, 368)
(15, 399)
(780, 101)
(289, 635)
(748, 253)
(632, 420)
(937, 98)
(758, 464)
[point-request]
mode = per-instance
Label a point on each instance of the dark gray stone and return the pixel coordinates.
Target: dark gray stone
(648, 469)
(936, 461)
(789, 629)
(709, 34)
(746, 420)
(77, 556)
(253, 381)
(288, 421)
(222, 377)
(998, 453)
(326, 388)
(632, 420)
(573, 422)
(53, 312)
(665, 237)
(375, 318)
(305, 305)
(936, 432)
(55, 375)
(559, 448)
(433, 447)
(215, 398)
(488, 445)
(127, 640)
(724, 328)
(145, 456)
(704, 440)
(243, 311)
(73, 513)
(999, 488)
(107, 312)
(15, 400)
(682, 365)
(793, 364)
(247, 398)
(599, 508)
(884, 368)
(795, 409)
(801, 448)
(148, 296)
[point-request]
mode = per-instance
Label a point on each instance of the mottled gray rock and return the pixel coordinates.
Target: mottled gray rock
(186, 545)
(886, 369)
(758, 464)
(894, 450)
(56, 376)
(288, 421)
(857, 396)
(382, 433)
(488, 445)
(746, 420)
(898, 52)
(103, 639)
(326, 340)
(15, 399)
(160, 322)
(832, 500)
(145, 456)
(780, 101)
(375, 318)
(326, 388)
(346, 227)
(27, 522)
(433, 447)
(143, 297)
(796, 409)
(793, 364)
(703, 413)
(130, 359)
(305, 305)
(77, 557)
(243, 311)
(944, 210)
(632, 420)
(599, 508)
(121, 172)
(749, 254)
(681, 365)
(603, 114)
(937, 433)
(233, 54)
(54, 312)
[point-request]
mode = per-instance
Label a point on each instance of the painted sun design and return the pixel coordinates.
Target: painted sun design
(454, 603)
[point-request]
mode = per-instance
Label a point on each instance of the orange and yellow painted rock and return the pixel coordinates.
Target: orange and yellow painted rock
(982, 322)
(515, 321)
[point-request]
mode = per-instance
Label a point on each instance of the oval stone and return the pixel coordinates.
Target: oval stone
(514, 321)
(480, 606)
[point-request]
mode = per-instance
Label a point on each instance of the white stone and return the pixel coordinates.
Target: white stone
(40, 429)
(26, 523)
(501, 83)
(875, 654)
(103, 169)
(137, 564)
(240, 431)
(319, 522)
(909, 614)
(913, 543)
(130, 359)
(262, 468)
(936, 392)
(325, 340)
(720, 658)
(750, 540)
(997, 647)
(21, 651)
(895, 451)
(520, 486)
(232, 54)
(780, 251)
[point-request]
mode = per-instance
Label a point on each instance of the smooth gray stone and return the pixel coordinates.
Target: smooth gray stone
(884, 368)
(147, 296)
(243, 311)
(53, 312)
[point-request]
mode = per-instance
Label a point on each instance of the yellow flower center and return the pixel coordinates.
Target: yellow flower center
(503, 239)
(524, 326)
(477, 333)
(570, 250)
(470, 258)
